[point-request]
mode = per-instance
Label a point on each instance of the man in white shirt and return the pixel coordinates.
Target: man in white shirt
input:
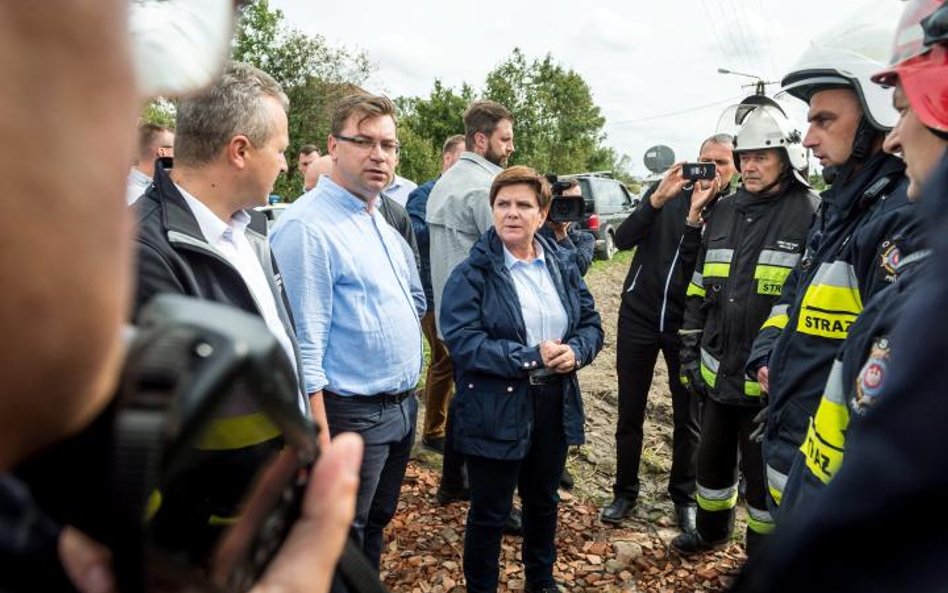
(154, 141)
(198, 232)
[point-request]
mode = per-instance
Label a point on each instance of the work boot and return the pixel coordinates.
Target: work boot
(685, 516)
(448, 495)
(617, 510)
(691, 543)
(566, 480)
(435, 444)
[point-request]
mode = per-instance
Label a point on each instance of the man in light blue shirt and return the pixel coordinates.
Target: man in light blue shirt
(353, 287)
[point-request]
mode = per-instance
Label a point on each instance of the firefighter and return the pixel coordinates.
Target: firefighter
(861, 369)
(880, 524)
(749, 248)
(853, 247)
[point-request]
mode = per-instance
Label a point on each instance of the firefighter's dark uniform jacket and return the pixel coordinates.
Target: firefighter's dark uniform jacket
(653, 294)
(850, 256)
(880, 525)
(749, 248)
(857, 379)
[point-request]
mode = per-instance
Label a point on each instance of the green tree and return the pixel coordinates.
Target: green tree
(424, 125)
(558, 126)
(817, 182)
(314, 75)
(158, 111)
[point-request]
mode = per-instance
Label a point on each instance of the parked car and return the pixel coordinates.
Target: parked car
(273, 211)
(608, 203)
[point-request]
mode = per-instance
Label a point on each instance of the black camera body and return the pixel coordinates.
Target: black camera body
(564, 208)
(696, 171)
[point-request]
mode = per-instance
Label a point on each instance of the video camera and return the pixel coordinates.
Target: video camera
(564, 208)
(196, 472)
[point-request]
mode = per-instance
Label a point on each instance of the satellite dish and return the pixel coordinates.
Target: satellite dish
(659, 158)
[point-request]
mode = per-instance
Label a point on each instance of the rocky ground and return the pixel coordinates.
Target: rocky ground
(424, 543)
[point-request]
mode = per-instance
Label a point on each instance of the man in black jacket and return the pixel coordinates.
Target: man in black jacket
(666, 231)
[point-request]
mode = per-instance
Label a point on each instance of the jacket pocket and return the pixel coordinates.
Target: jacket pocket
(491, 408)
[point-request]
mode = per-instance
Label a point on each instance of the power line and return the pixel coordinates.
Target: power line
(674, 113)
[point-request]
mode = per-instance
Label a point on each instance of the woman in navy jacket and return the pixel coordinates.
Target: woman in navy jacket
(518, 321)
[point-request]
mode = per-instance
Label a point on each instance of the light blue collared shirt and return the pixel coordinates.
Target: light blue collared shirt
(348, 281)
(543, 311)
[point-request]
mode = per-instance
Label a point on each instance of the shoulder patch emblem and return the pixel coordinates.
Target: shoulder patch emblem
(891, 256)
(872, 377)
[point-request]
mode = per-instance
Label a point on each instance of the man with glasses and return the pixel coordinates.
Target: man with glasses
(351, 283)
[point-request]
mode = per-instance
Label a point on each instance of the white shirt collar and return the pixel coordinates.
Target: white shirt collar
(213, 228)
(510, 260)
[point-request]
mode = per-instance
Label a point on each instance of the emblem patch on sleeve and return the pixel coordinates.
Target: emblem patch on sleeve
(872, 377)
(891, 256)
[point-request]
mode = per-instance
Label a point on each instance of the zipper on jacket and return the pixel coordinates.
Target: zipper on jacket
(634, 278)
(671, 270)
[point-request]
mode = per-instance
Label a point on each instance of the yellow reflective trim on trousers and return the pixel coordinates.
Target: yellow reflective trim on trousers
(237, 432)
(752, 388)
(710, 504)
(770, 279)
(716, 270)
(695, 290)
(823, 459)
(761, 527)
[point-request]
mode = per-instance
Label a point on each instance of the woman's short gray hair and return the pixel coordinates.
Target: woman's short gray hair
(231, 106)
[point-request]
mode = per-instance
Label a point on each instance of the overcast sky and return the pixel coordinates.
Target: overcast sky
(651, 66)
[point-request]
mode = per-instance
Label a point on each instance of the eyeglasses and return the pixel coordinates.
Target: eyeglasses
(363, 144)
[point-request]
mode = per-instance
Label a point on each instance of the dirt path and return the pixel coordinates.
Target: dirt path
(424, 545)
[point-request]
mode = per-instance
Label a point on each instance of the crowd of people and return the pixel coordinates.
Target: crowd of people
(802, 332)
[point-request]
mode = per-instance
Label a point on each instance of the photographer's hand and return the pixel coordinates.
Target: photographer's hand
(668, 188)
(700, 196)
(307, 561)
(559, 229)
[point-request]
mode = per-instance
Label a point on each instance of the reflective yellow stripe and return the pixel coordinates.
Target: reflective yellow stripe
(831, 303)
(237, 432)
(153, 504)
(222, 521)
(770, 279)
(822, 459)
(695, 290)
(759, 521)
(752, 388)
(709, 368)
(716, 270)
(778, 317)
(776, 482)
(716, 500)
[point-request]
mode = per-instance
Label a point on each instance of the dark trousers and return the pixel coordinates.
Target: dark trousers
(452, 464)
(388, 429)
(438, 381)
(492, 486)
(725, 444)
(636, 354)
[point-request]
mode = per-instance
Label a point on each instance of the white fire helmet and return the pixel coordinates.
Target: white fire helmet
(846, 56)
(767, 126)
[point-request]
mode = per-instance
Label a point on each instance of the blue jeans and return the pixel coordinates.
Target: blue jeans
(388, 429)
(492, 486)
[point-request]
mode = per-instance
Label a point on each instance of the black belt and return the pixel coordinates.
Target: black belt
(378, 398)
(544, 378)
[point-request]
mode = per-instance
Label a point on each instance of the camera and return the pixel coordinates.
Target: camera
(195, 473)
(564, 208)
(696, 171)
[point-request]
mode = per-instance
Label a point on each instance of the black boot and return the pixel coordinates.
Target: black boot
(685, 516)
(691, 543)
(617, 510)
